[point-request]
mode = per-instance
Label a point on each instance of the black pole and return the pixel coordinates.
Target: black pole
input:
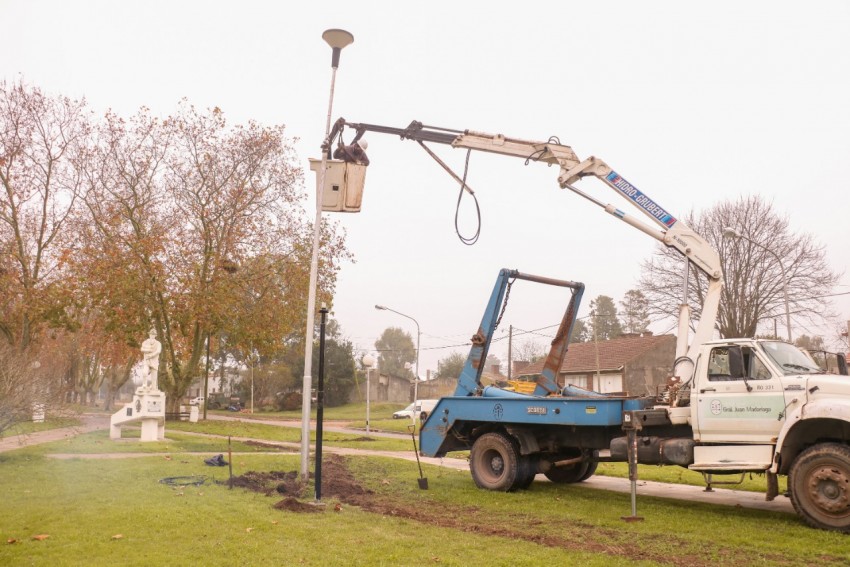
(320, 399)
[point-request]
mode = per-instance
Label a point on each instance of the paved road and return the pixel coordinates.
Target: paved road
(719, 496)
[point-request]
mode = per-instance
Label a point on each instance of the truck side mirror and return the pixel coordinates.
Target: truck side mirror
(736, 362)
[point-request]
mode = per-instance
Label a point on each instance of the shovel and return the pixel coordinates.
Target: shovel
(423, 482)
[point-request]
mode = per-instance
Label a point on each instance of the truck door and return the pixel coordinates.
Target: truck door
(739, 399)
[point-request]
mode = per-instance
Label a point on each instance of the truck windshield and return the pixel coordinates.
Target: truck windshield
(789, 358)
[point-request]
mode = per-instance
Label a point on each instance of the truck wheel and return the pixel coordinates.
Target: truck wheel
(568, 475)
(591, 469)
(423, 416)
(494, 462)
(820, 486)
(527, 472)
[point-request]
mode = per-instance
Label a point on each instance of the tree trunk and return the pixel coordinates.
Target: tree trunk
(110, 397)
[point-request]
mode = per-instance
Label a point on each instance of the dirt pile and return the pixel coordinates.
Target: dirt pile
(337, 482)
(269, 483)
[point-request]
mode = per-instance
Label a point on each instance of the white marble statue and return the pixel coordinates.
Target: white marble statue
(150, 364)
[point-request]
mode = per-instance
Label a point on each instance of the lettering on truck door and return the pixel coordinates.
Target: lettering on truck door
(730, 412)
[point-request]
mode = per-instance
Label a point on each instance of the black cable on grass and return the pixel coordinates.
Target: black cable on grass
(194, 480)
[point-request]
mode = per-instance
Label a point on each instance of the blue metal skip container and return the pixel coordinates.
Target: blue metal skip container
(511, 408)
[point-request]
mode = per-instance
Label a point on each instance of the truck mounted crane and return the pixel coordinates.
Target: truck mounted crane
(731, 406)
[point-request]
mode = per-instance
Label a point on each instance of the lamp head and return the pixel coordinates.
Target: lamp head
(380, 308)
(729, 232)
(337, 39)
(368, 361)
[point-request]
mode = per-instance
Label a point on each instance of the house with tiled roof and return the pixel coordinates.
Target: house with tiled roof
(633, 364)
(446, 386)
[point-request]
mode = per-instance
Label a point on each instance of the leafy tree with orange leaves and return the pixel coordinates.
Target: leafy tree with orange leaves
(194, 227)
(42, 139)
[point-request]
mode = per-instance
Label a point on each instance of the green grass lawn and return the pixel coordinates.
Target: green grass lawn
(99, 442)
(352, 411)
(116, 512)
(257, 430)
(669, 474)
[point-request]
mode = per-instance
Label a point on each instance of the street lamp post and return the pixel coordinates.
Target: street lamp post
(337, 39)
(418, 336)
(732, 233)
(369, 363)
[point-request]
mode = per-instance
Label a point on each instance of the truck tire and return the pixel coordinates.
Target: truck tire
(819, 481)
(578, 472)
(591, 469)
(568, 475)
(527, 472)
(494, 462)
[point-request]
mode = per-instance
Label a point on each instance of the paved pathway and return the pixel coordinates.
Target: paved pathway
(719, 496)
(91, 422)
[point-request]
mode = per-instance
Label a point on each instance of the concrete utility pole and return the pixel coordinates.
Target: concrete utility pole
(336, 39)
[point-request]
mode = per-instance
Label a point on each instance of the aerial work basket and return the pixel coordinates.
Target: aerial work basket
(343, 191)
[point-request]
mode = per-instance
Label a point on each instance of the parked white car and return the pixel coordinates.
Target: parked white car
(417, 410)
(406, 412)
(424, 408)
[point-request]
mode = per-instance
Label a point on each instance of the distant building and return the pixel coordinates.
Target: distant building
(634, 364)
(384, 388)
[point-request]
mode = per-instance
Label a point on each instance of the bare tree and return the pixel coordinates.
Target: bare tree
(41, 139)
(529, 350)
(754, 282)
(32, 381)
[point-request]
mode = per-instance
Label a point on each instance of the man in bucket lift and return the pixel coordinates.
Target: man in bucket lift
(355, 153)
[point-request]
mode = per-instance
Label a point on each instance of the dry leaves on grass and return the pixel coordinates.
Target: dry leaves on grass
(118, 536)
(40, 537)
(12, 540)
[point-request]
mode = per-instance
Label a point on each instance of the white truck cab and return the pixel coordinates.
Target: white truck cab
(762, 405)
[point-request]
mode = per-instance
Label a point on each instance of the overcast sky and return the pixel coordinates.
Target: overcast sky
(693, 102)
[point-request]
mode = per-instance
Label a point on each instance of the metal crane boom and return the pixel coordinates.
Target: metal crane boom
(667, 228)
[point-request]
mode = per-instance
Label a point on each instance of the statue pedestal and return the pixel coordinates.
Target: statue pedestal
(147, 408)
